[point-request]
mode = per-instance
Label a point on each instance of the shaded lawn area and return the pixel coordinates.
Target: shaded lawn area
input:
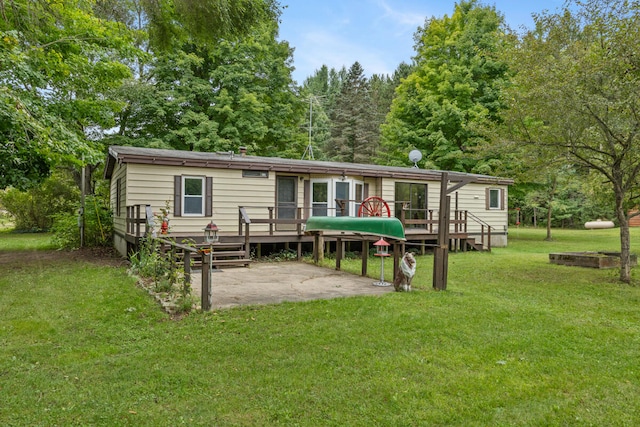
(513, 341)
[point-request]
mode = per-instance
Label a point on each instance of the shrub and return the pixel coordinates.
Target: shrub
(166, 278)
(34, 209)
(98, 225)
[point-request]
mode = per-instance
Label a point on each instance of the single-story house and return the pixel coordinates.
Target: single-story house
(276, 196)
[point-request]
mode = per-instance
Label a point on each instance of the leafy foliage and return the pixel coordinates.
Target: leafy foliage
(453, 93)
(575, 95)
(167, 279)
(34, 209)
(98, 225)
(58, 65)
(172, 22)
(354, 137)
(216, 98)
(348, 109)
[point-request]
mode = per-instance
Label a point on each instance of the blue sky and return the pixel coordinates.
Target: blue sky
(376, 33)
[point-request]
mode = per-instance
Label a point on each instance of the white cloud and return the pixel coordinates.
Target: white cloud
(411, 20)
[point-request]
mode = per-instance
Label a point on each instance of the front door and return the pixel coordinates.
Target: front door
(342, 198)
(286, 200)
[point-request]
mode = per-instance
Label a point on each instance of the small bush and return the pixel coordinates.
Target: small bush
(168, 280)
(98, 225)
(34, 209)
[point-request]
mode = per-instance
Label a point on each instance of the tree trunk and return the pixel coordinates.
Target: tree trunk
(552, 195)
(548, 223)
(625, 241)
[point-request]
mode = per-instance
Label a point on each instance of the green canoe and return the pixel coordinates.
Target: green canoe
(374, 225)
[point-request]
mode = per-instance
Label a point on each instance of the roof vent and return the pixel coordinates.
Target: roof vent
(243, 151)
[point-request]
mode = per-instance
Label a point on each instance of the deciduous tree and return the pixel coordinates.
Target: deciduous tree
(576, 95)
(453, 92)
(58, 65)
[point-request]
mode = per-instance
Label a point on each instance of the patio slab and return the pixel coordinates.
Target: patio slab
(272, 283)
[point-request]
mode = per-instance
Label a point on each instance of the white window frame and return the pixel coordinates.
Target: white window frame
(185, 195)
(312, 203)
(499, 193)
(331, 194)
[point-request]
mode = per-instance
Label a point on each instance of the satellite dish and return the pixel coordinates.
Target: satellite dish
(415, 156)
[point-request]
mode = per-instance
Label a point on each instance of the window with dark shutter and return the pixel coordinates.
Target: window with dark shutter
(192, 196)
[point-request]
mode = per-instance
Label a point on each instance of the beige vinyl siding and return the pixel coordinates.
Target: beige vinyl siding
(472, 198)
(373, 186)
(154, 186)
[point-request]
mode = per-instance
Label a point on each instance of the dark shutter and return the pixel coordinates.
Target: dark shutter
(307, 198)
(365, 191)
(177, 196)
(487, 198)
(502, 199)
(208, 197)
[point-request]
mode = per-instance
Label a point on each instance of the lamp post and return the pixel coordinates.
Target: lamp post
(382, 251)
(210, 236)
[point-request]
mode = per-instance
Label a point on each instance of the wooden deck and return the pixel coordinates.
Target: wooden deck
(421, 234)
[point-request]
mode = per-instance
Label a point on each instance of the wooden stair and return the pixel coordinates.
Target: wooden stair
(227, 254)
(475, 246)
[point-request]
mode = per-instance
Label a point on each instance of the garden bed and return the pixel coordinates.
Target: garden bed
(590, 259)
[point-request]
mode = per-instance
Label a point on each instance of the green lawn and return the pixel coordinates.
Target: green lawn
(10, 241)
(513, 341)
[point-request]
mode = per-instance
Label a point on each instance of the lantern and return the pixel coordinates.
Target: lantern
(211, 233)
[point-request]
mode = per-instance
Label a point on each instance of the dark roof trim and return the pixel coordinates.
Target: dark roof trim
(160, 157)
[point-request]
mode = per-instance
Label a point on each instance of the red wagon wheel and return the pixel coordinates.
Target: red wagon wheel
(374, 206)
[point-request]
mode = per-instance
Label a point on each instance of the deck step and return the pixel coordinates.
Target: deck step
(477, 246)
(223, 254)
(232, 262)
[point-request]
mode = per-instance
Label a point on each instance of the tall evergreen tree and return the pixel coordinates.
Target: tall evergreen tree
(353, 132)
(320, 91)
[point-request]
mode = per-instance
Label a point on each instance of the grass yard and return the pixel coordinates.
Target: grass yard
(513, 341)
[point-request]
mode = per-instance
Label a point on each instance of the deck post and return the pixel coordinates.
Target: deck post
(137, 220)
(205, 301)
(247, 242)
(338, 252)
(299, 227)
(316, 247)
(441, 253)
(365, 257)
(396, 259)
(187, 266)
(172, 263)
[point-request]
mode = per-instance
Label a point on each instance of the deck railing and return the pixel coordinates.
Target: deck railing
(136, 219)
(425, 219)
(483, 226)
